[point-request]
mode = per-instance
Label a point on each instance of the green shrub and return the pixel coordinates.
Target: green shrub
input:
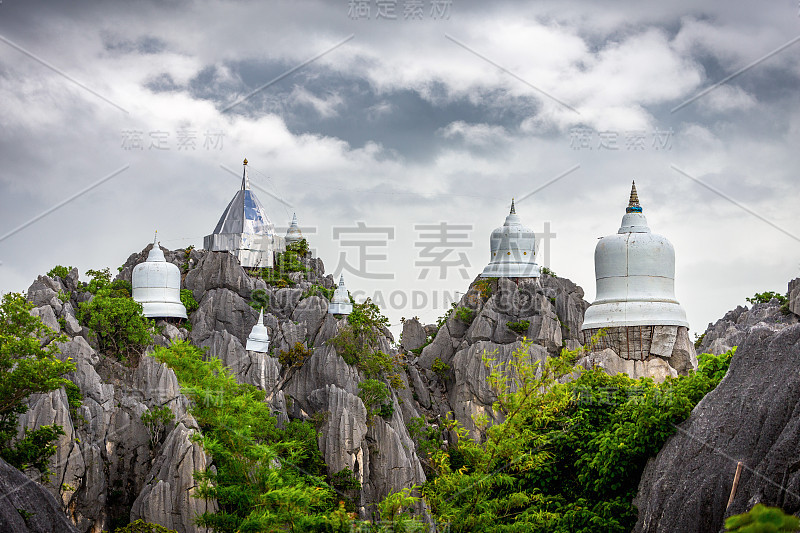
(319, 290)
(698, 339)
(762, 519)
(345, 480)
(375, 394)
(520, 327)
(442, 319)
(765, 297)
(157, 420)
(294, 356)
(188, 301)
(549, 272)
(59, 271)
(100, 279)
(117, 324)
(140, 526)
(465, 315)
(300, 247)
(440, 368)
(485, 286)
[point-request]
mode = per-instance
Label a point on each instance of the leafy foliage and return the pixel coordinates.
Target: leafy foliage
(765, 297)
(117, 323)
(549, 272)
(294, 356)
(259, 299)
(485, 286)
(140, 526)
(442, 319)
(267, 478)
(520, 327)
(299, 247)
(188, 301)
(762, 519)
(440, 368)
(568, 456)
(376, 397)
(27, 368)
(465, 315)
(319, 290)
(59, 271)
(157, 420)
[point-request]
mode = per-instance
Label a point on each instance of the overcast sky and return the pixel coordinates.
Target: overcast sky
(394, 115)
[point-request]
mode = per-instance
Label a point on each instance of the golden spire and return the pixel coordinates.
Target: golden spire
(245, 160)
(633, 204)
(513, 211)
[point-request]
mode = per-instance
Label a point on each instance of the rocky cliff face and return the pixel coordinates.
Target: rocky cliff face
(752, 417)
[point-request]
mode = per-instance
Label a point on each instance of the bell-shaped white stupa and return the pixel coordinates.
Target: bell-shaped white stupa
(293, 234)
(513, 250)
(258, 340)
(245, 230)
(340, 304)
(157, 286)
(635, 271)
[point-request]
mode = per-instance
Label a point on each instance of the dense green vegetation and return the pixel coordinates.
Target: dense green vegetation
(568, 456)
(188, 301)
(114, 317)
(267, 478)
(520, 327)
(27, 368)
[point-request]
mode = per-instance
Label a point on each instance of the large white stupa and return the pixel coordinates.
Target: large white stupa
(635, 304)
(340, 303)
(245, 230)
(635, 271)
(157, 286)
(513, 250)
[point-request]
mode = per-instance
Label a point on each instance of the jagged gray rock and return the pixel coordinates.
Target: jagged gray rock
(414, 335)
(218, 270)
(794, 296)
(753, 416)
(26, 507)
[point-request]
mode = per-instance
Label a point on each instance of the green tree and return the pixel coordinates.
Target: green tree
(117, 323)
(266, 478)
(568, 456)
(26, 367)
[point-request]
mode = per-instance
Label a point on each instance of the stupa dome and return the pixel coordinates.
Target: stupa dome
(258, 340)
(157, 286)
(340, 304)
(293, 234)
(513, 250)
(635, 272)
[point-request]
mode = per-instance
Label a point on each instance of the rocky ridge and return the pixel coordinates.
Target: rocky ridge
(752, 416)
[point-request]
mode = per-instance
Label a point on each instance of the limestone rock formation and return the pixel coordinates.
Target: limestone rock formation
(25, 507)
(752, 416)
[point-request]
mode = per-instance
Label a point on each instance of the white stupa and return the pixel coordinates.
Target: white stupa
(340, 304)
(245, 230)
(258, 340)
(157, 286)
(293, 234)
(513, 250)
(635, 271)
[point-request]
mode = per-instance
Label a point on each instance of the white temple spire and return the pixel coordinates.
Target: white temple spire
(340, 303)
(258, 340)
